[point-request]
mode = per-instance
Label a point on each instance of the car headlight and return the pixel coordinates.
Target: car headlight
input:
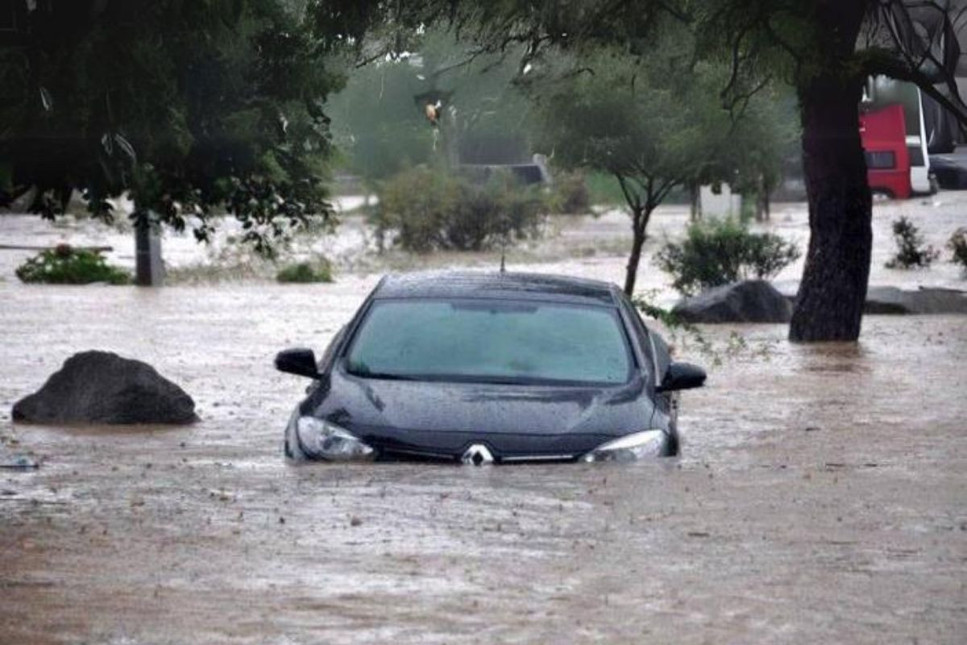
(323, 440)
(639, 445)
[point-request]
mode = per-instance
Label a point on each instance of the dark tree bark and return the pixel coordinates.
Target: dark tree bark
(639, 225)
(695, 201)
(762, 200)
(829, 306)
(148, 267)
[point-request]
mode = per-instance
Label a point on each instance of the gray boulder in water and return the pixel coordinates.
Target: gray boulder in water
(925, 300)
(754, 301)
(102, 387)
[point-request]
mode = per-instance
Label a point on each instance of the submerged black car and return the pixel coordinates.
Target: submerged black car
(489, 367)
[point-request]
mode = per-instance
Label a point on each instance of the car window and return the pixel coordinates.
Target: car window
(638, 327)
(491, 341)
(880, 159)
(652, 344)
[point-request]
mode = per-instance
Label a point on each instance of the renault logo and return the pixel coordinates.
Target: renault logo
(477, 454)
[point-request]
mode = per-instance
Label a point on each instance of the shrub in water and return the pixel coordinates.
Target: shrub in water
(429, 210)
(958, 244)
(721, 251)
(571, 195)
(67, 265)
(305, 272)
(911, 251)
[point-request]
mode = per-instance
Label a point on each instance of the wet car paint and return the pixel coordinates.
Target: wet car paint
(442, 420)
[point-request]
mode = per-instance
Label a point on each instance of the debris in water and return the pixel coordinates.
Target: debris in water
(19, 462)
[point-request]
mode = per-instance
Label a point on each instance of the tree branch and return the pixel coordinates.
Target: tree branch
(744, 98)
(881, 62)
(633, 199)
(733, 78)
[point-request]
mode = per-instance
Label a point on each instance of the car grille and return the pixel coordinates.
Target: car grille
(398, 454)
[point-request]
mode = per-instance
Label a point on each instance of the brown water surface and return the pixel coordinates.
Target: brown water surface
(820, 498)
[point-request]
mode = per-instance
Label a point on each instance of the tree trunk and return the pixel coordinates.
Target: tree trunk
(695, 201)
(639, 225)
(761, 200)
(829, 306)
(149, 269)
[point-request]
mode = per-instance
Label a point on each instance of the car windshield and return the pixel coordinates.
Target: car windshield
(491, 341)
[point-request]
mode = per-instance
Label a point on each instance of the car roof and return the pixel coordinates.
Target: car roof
(493, 285)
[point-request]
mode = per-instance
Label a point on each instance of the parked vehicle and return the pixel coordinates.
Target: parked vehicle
(950, 172)
(893, 111)
(887, 157)
(489, 367)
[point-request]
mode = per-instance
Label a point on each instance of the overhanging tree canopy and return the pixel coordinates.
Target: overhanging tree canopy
(825, 48)
(150, 96)
(187, 106)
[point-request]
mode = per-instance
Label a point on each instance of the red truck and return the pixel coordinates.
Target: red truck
(883, 133)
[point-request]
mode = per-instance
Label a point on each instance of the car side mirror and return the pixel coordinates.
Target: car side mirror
(682, 376)
(298, 361)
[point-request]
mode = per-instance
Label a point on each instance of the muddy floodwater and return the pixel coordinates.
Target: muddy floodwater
(821, 496)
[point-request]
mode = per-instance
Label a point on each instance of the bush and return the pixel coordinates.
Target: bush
(305, 272)
(429, 210)
(67, 265)
(910, 249)
(721, 251)
(958, 244)
(571, 195)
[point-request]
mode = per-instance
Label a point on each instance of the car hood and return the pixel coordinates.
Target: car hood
(443, 419)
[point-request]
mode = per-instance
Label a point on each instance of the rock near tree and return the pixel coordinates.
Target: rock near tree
(754, 301)
(102, 387)
(891, 300)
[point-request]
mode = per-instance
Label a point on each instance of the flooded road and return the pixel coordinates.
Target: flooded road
(821, 496)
